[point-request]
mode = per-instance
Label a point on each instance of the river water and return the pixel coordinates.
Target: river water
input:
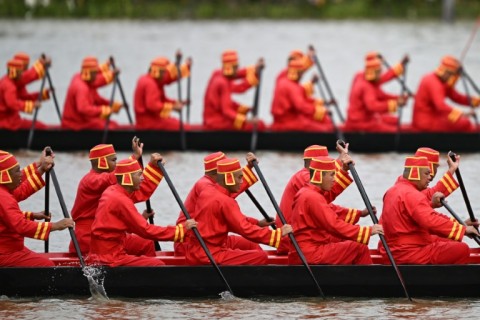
(340, 46)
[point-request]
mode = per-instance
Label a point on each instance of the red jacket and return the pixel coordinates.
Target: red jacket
(220, 111)
(90, 189)
(316, 224)
(84, 108)
(409, 222)
(432, 113)
(115, 217)
(217, 214)
(14, 225)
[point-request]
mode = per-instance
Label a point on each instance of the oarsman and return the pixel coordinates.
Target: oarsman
(29, 75)
(220, 111)
(370, 108)
(117, 219)
(307, 63)
(15, 225)
(103, 160)
(293, 108)
(431, 111)
(302, 178)
(153, 108)
(14, 99)
(84, 108)
(209, 180)
(414, 231)
(322, 235)
(217, 214)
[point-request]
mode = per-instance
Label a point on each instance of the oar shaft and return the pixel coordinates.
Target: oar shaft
(256, 98)
(54, 95)
(107, 122)
(449, 209)
(122, 94)
(189, 95)
(195, 230)
(35, 114)
(260, 208)
(183, 139)
(470, 80)
(464, 190)
(290, 235)
(47, 203)
(470, 102)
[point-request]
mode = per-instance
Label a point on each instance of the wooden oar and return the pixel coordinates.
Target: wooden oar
(400, 109)
(120, 88)
(447, 206)
(107, 122)
(35, 113)
(462, 188)
(149, 206)
(256, 98)
(282, 218)
(52, 90)
(402, 82)
(195, 230)
(96, 290)
(260, 208)
(183, 139)
(363, 193)
(189, 95)
(327, 85)
(337, 130)
(48, 152)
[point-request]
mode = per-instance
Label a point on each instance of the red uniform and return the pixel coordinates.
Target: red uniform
(217, 214)
(31, 182)
(318, 230)
(411, 226)
(446, 185)
(117, 216)
(297, 182)
(14, 226)
(90, 189)
(432, 113)
(84, 108)
(204, 183)
(293, 109)
(220, 111)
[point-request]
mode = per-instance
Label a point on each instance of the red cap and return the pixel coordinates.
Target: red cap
(228, 167)
(15, 63)
(210, 161)
(315, 151)
(448, 63)
(320, 164)
(230, 56)
(372, 55)
(22, 56)
(90, 63)
(295, 54)
(414, 164)
(101, 152)
(433, 157)
(125, 168)
(7, 162)
(157, 65)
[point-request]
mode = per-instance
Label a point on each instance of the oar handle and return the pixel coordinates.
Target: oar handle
(453, 156)
(195, 230)
(449, 209)
(35, 113)
(260, 208)
(256, 98)
(122, 94)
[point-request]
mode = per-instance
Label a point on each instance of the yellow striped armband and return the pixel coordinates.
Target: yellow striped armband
(28, 106)
(153, 174)
(33, 177)
(28, 215)
(166, 110)
(42, 228)
(364, 234)
(449, 183)
(39, 69)
(392, 105)
(105, 111)
(454, 115)
(308, 88)
(275, 238)
(456, 231)
(343, 179)
(239, 121)
(351, 216)
(251, 76)
(184, 70)
(398, 69)
(249, 176)
(179, 233)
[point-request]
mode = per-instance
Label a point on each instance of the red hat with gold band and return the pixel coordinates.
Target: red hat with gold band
(294, 68)
(210, 161)
(295, 54)
(14, 66)
(2, 152)
(22, 56)
(101, 152)
(315, 151)
(433, 157)
(414, 164)
(448, 63)
(371, 67)
(7, 162)
(157, 65)
(89, 65)
(372, 55)
(125, 168)
(229, 61)
(228, 167)
(319, 165)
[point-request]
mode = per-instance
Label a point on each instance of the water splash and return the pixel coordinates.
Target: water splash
(226, 295)
(96, 277)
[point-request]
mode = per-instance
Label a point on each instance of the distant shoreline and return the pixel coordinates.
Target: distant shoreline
(238, 9)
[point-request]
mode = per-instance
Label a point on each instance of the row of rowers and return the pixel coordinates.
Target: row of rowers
(294, 106)
(112, 232)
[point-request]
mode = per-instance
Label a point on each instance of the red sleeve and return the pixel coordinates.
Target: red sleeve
(349, 215)
(83, 104)
(31, 182)
(446, 185)
(152, 177)
(457, 97)
(12, 101)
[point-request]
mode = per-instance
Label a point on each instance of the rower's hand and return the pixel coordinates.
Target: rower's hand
(365, 212)
(116, 106)
(190, 223)
(453, 165)
(315, 78)
(250, 158)
(254, 120)
(346, 160)
(469, 222)
(260, 65)
(63, 224)
(137, 148)
(402, 100)
(45, 60)
(470, 113)
(41, 216)
(116, 71)
(470, 231)
(45, 163)
(189, 62)
(377, 229)
(178, 56)
(147, 214)
(437, 199)
(36, 105)
(154, 158)
(340, 148)
(264, 223)
(286, 229)
(178, 105)
(405, 60)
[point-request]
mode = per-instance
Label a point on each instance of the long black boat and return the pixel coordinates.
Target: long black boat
(276, 279)
(67, 140)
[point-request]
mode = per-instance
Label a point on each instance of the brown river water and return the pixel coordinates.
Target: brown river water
(340, 47)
